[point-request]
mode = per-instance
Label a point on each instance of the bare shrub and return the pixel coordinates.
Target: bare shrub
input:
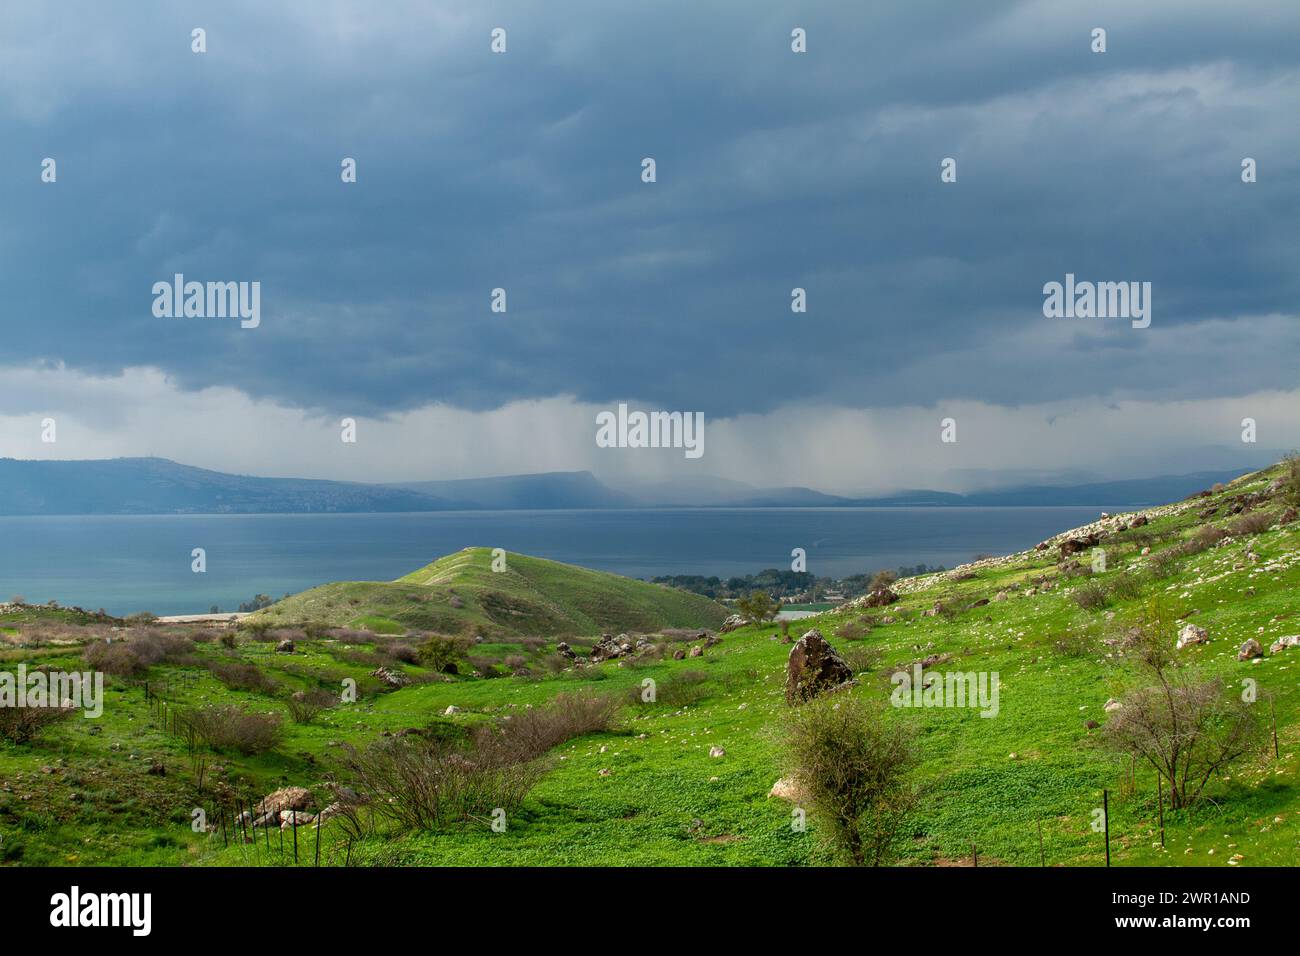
(402, 654)
(1074, 569)
(1090, 596)
(852, 761)
(162, 647)
(1187, 728)
(1163, 563)
(130, 657)
(530, 734)
(306, 706)
(863, 657)
(229, 728)
(1253, 523)
(116, 659)
(242, 677)
(1125, 586)
(881, 580)
(425, 784)
(852, 631)
(1202, 539)
(20, 725)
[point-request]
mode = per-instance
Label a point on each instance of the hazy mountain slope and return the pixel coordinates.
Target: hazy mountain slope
(560, 489)
(159, 486)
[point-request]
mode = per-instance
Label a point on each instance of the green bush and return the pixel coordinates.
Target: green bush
(852, 761)
(443, 653)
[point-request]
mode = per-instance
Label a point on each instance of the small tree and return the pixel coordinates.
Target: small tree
(758, 606)
(443, 653)
(1188, 729)
(852, 762)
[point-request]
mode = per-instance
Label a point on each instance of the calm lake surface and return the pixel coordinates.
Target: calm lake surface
(134, 563)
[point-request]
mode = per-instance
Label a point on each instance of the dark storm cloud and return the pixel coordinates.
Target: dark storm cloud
(775, 171)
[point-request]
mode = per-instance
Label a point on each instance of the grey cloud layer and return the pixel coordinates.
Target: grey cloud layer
(775, 171)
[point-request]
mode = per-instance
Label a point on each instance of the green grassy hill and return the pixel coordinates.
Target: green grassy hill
(650, 788)
(532, 596)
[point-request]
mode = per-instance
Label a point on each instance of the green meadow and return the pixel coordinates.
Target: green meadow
(1019, 788)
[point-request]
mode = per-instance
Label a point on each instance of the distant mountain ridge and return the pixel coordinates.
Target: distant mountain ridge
(160, 486)
(558, 489)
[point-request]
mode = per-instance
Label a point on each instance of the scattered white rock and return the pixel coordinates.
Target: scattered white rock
(1192, 634)
(787, 789)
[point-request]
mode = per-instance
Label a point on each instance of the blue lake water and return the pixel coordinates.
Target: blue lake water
(133, 563)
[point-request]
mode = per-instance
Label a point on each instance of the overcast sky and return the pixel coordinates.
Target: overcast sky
(775, 170)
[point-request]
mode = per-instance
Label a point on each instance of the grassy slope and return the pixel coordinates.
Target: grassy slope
(532, 596)
(666, 801)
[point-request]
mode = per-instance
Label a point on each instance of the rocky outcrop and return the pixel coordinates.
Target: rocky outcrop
(1074, 545)
(390, 677)
(813, 668)
(286, 798)
(731, 623)
(610, 648)
(881, 597)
